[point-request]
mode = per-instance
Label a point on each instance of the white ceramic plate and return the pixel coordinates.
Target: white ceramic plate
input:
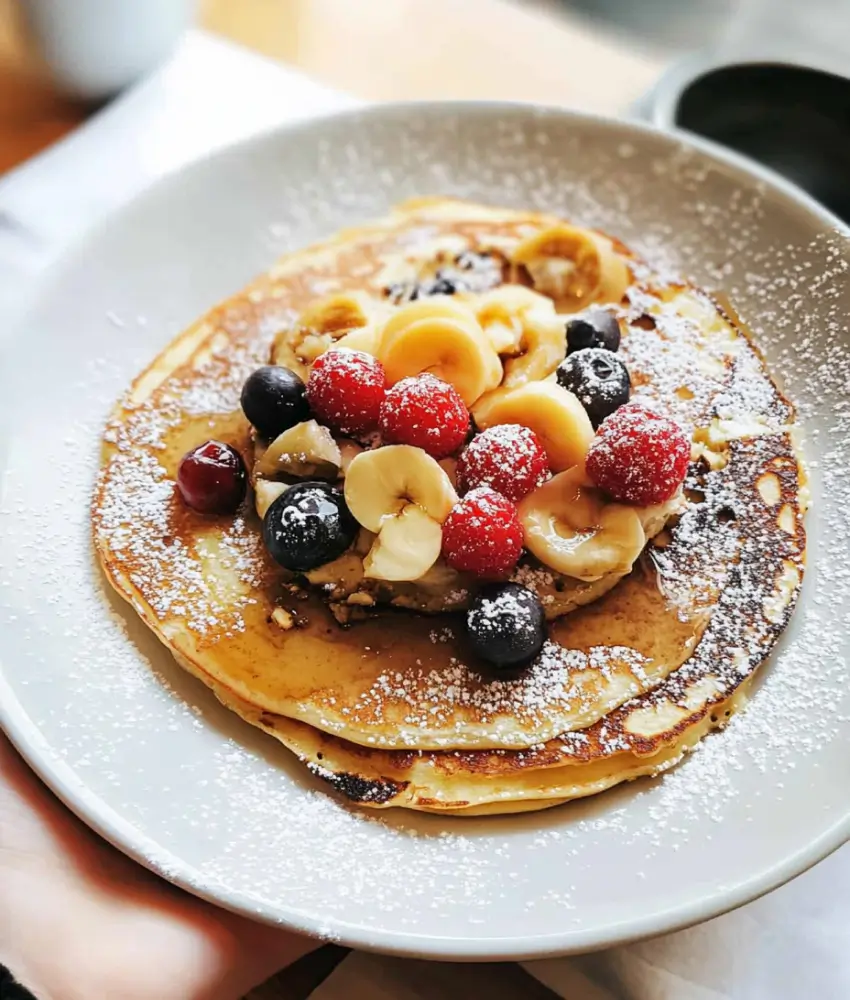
(146, 755)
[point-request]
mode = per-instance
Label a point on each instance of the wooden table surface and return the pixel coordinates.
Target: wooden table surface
(378, 50)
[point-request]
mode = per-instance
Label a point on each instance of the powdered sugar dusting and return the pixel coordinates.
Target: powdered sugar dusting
(558, 678)
(231, 812)
(508, 457)
(140, 510)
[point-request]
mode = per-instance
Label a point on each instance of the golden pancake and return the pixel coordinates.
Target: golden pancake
(395, 700)
(760, 541)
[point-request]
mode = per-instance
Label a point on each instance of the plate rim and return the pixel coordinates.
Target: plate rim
(27, 738)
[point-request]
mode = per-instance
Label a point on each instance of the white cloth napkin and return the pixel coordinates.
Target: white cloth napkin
(209, 94)
(791, 945)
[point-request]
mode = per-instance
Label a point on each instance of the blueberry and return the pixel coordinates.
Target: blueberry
(308, 525)
(440, 284)
(274, 400)
(506, 625)
(599, 379)
(443, 285)
(594, 328)
(468, 272)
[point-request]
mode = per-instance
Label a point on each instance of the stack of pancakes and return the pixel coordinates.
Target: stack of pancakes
(391, 711)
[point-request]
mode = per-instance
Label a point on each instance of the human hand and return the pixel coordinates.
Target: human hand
(79, 920)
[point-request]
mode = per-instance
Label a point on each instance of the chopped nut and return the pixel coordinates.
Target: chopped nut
(345, 614)
(283, 618)
(342, 612)
(360, 597)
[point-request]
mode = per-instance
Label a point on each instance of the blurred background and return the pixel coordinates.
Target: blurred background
(597, 53)
(60, 60)
(766, 77)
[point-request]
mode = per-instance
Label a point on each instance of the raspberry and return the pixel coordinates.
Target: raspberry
(508, 457)
(345, 390)
(426, 412)
(483, 535)
(639, 456)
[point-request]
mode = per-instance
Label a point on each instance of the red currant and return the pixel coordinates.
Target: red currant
(212, 478)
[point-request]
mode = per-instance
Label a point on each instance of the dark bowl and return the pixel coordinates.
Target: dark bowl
(793, 119)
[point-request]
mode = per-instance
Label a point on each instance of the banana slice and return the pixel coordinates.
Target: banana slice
(403, 495)
(524, 326)
(573, 266)
(504, 333)
(499, 312)
(382, 482)
(364, 338)
(325, 323)
(290, 350)
(552, 412)
(574, 530)
(348, 450)
(307, 449)
(542, 348)
(338, 313)
(265, 494)
(406, 548)
(442, 337)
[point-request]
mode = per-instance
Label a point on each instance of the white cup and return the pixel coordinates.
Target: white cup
(94, 48)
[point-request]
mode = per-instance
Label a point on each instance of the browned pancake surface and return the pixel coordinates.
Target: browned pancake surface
(207, 587)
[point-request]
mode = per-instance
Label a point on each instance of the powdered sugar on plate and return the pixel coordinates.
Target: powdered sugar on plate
(215, 804)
